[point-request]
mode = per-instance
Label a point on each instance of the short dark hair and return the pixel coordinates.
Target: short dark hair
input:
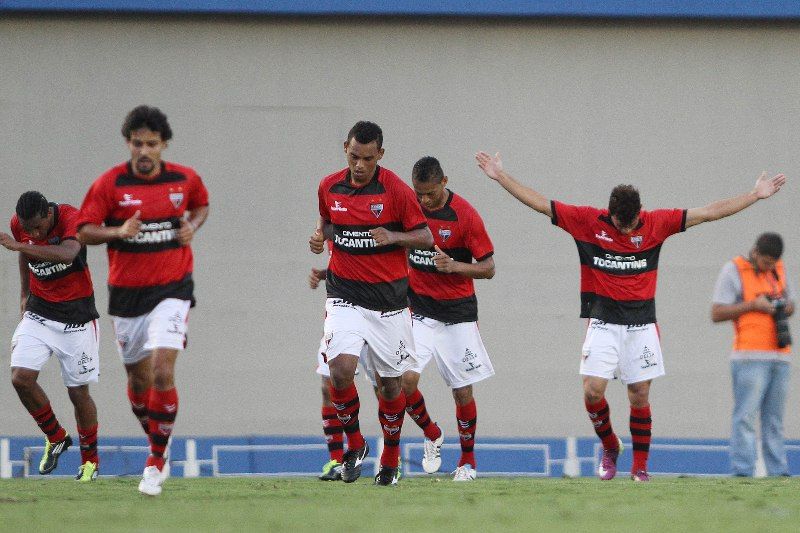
(31, 204)
(427, 170)
(365, 132)
(770, 244)
(624, 203)
(144, 116)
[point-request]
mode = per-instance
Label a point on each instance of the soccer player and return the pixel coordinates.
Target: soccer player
(147, 211)
(371, 216)
(618, 249)
(445, 309)
(58, 318)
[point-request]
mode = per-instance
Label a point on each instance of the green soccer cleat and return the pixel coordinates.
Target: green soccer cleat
(87, 472)
(332, 471)
(52, 450)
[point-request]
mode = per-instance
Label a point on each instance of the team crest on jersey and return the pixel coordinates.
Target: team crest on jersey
(636, 240)
(176, 198)
(445, 233)
(376, 209)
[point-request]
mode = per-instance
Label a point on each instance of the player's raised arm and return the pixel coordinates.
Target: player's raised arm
(764, 188)
(493, 167)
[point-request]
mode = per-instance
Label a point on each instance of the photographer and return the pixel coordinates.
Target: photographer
(754, 293)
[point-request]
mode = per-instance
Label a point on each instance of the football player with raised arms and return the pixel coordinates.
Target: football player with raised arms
(618, 249)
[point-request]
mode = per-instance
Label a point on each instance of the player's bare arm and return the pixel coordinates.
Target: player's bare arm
(417, 238)
(95, 234)
(191, 224)
(493, 167)
(764, 188)
(447, 265)
(63, 252)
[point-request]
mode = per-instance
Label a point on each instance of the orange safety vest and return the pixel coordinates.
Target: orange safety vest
(755, 331)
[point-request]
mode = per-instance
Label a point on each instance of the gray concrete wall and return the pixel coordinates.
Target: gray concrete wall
(688, 112)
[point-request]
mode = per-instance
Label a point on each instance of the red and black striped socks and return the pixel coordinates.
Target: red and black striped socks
(600, 416)
(48, 423)
(347, 404)
(334, 434)
(415, 407)
(88, 439)
(641, 433)
(467, 417)
(162, 409)
(390, 415)
(139, 407)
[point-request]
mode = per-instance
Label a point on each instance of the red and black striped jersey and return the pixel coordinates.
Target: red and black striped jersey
(359, 271)
(459, 231)
(618, 270)
(59, 291)
(152, 265)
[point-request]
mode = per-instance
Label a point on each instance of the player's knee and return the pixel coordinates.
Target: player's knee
(22, 381)
(78, 395)
(463, 395)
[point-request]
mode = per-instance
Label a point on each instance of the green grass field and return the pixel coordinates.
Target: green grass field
(418, 504)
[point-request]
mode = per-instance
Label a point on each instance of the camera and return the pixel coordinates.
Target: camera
(781, 322)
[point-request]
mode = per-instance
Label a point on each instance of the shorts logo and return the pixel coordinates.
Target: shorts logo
(74, 328)
(469, 355)
(176, 198)
(35, 317)
(128, 200)
(647, 358)
(636, 240)
(175, 322)
(445, 234)
(83, 364)
(376, 209)
(402, 353)
(472, 367)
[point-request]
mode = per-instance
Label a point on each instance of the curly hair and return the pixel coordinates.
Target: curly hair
(427, 170)
(31, 204)
(365, 132)
(146, 117)
(624, 204)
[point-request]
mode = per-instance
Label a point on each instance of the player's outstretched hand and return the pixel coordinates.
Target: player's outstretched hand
(316, 276)
(382, 236)
(492, 166)
(443, 262)
(316, 243)
(766, 186)
(8, 241)
(131, 227)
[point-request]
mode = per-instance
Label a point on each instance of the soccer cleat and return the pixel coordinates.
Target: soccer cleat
(387, 476)
(151, 481)
(351, 463)
(332, 471)
(465, 473)
(432, 454)
(52, 450)
(608, 464)
(641, 476)
(87, 472)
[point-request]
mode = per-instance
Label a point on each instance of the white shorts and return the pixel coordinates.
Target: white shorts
(635, 350)
(325, 371)
(163, 327)
(457, 348)
(75, 345)
(381, 340)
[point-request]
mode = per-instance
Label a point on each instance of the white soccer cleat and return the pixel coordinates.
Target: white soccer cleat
(465, 473)
(151, 481)
(432, 454)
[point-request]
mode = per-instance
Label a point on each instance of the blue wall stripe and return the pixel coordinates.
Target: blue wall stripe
(730, 9)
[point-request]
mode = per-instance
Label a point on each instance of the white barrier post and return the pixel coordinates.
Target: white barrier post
(191, 468)
(5, 458)
(572, 466)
